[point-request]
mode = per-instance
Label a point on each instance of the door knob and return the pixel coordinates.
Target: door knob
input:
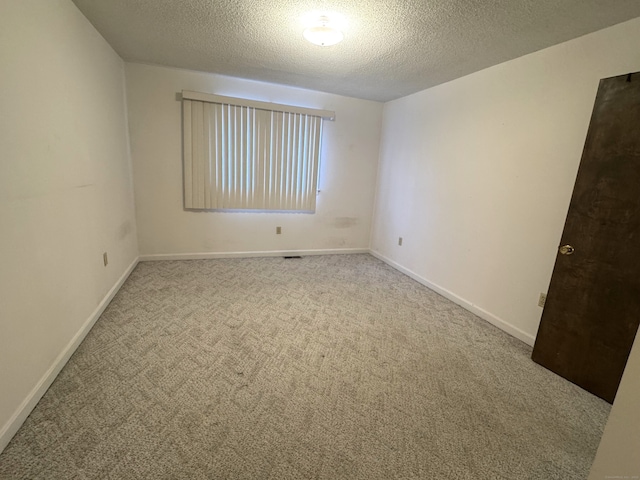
(566, 250)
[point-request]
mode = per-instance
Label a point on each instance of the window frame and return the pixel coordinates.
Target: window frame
(301, 125)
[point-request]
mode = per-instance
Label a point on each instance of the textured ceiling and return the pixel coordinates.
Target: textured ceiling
(391, 48)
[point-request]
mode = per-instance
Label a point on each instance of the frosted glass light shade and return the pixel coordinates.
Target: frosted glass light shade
(323, 34)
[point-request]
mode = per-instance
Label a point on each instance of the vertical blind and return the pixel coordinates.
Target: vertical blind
(245, 155)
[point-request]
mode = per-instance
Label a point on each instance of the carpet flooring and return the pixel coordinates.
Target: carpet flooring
(325, 367)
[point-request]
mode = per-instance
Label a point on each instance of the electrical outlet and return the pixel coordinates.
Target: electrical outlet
(542, 299)
(400, 241)
(105, 259)
(278, 230)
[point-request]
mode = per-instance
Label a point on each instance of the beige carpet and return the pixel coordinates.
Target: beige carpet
(333, 367)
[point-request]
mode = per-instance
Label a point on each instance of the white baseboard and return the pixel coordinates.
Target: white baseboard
(268, 253)
(29, 403)
(23, 411)
(489, 317)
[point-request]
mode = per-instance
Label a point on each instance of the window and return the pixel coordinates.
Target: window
(248, 155)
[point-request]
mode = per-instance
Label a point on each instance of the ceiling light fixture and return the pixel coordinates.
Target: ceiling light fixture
(323, 32)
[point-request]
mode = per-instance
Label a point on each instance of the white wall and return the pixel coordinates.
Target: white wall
(619, 451)
(476, 174)
(347, 176)
(65, 192)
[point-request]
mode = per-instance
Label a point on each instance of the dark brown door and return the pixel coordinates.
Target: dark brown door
(592, 310)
